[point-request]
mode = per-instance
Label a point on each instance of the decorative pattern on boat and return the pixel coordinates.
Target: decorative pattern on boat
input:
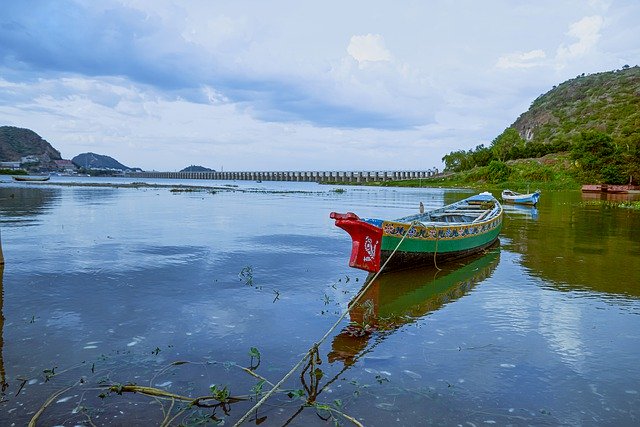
(395, 229)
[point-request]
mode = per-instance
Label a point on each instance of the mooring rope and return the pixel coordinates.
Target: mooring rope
(315, 346)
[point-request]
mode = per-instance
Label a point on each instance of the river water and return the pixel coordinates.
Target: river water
(173, 289)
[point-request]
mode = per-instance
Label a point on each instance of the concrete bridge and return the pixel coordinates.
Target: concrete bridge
(302, 176)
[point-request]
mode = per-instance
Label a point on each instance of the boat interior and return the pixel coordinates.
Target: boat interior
(463, 213)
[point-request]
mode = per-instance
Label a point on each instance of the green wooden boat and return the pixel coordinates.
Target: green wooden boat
(450, 232)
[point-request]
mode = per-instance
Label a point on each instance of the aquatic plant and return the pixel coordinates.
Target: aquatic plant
(246, 274)
(611, 204)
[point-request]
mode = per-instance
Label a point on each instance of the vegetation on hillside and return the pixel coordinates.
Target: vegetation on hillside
(594, 120)
(90, 161)
(196, 168)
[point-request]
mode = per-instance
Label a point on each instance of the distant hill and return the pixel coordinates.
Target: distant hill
(98, 161)
(16, 143)
(194, 168)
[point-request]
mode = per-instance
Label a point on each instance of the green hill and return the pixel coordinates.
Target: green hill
(591, 122)
(605, 102)
(195, 168)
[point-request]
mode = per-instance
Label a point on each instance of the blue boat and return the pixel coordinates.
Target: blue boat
(509, 196)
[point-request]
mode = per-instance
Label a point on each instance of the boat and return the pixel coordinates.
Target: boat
(439, 235)
(612, 189)
(509, 196)
(30, 178)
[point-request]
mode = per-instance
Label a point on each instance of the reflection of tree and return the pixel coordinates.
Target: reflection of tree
(573, 246)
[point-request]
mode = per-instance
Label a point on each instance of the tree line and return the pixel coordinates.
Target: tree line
(597, 157)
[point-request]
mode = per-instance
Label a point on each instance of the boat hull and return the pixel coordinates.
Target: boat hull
(393, 245)
(427, 246)
(26, 178)
(403, 260)
(522, 199)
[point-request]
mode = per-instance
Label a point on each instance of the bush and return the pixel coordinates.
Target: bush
(498, 171)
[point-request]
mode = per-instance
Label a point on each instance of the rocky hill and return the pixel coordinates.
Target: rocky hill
(16, 143)
(98, 161)
(607, 102)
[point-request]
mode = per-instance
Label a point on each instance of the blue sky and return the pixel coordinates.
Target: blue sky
(294, 85)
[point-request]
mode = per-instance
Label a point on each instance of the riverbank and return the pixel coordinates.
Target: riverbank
(551, 172)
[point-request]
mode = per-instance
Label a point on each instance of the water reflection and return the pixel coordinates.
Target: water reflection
(398, 298)
(577, 247)
(21, 204)
(94, 196)
(3, 379)
(612, 197)
(530, 212)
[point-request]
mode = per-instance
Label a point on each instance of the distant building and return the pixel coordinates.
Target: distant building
(10, 165)
(65, 166)
(30, 159)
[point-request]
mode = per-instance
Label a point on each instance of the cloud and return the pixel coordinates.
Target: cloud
(587, 31)
(529, 59)
(368, 48)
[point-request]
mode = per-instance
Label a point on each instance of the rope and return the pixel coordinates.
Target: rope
(315, 346)
(435, 252)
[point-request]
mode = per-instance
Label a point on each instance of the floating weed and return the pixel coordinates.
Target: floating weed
(254, 353)
(257, 389)
(220, 394)
(49, 373)
(246, 274)
(609, 204)
(339, 190)
(156, 351)
(182, 409)
(381, 379)
(277, 297)
(326, 299)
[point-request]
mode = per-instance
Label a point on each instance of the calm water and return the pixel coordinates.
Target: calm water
(114, 285)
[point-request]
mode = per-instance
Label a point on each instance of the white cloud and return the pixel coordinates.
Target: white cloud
(246, 85)
(529, 59)
(587, 31)
(368, 48)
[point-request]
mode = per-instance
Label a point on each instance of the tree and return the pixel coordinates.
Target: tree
(507, 144)
(598, 158)
(456, 161)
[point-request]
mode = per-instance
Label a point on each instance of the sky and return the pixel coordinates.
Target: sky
(277, 85)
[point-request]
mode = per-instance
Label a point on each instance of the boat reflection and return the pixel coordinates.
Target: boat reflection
(612, 197)
(523, 211)
(399, 298)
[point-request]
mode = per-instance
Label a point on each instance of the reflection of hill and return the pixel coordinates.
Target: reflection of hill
(580, 247)
(402, 297)
(18, 202)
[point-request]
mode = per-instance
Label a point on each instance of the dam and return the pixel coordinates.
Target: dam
(301, 176)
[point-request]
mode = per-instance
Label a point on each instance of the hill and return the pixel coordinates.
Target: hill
(98, 161)
(607, 102)
(16, 143)
(593, 121)
(194, 168)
